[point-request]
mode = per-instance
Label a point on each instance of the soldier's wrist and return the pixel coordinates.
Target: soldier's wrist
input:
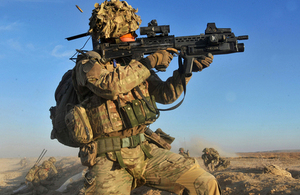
(147, 63)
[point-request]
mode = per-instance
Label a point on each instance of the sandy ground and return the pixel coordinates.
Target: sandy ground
(244, 176)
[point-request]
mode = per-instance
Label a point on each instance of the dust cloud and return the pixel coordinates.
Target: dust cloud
(196, 144)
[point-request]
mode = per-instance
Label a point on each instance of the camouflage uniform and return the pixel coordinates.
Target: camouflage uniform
(42, 179)
(185, 154)
(109, 90)
(165, 170)
(53, 171)
(211, 158)
(39, 177)
(23, 162)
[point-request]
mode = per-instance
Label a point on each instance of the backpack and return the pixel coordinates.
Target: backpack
(31, 173)
(70, 122)
(214, 151)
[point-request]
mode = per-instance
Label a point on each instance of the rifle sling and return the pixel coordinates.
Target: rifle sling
(167, 109)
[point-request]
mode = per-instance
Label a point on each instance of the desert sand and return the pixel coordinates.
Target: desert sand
(246, 175)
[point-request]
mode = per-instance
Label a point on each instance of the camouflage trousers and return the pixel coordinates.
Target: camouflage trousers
(165, 171)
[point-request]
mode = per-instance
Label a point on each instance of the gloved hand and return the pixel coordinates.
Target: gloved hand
(161, 59)
(202, 62)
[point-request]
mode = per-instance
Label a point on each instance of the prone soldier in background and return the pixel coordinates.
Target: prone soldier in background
(119, 96)
(39, 177)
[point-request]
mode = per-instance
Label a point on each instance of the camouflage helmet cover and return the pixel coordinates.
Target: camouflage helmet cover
(112, 19)
(52, 159)
(46, 165)
(205, 150)
(181, 149)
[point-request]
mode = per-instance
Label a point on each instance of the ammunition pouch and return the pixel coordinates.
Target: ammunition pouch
(140, 111)
(108, 116)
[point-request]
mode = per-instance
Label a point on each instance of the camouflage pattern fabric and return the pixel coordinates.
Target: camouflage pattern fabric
(164, 171)
(114, 89)
(211, 158)
(43, 176)
(78, 125)
(109, 90)
(112, 19)
(40, 176)
(53, 170)
(31, 173)
(223, 164)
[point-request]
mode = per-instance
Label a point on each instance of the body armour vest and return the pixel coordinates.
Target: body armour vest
(128, 111)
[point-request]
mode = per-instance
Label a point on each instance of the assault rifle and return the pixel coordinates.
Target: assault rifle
(215, 41)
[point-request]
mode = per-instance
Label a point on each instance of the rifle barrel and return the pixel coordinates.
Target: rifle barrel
(78, 36)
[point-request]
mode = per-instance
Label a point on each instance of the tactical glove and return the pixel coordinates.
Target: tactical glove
(161, 59)
(202, 62)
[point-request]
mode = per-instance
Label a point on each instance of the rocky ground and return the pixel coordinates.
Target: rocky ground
(246, 175)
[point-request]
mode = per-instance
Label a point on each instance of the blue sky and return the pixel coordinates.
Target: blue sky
(243, 102)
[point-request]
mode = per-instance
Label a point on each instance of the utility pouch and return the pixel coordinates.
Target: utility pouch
(131, 120)
(136, 105)
(88, 154)
(109, 144)
(150, 108)
(78, 125)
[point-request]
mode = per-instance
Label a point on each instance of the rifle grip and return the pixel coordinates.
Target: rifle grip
(188, 66)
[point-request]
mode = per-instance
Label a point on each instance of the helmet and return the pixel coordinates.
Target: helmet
(52, 159)
(181, 149)
(205, 150)
(46, 165)
(112, 19)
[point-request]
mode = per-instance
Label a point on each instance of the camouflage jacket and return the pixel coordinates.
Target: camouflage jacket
(110, 88)
(53, 168)
(210, 158)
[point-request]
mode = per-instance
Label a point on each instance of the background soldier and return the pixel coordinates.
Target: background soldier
(53, 171)
(213, 160)
(183, 153)
(39, 177)
(23, 162)
(210, 158)
(120, 98)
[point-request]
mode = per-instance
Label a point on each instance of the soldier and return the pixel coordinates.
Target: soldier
(41, 179)
(23, 162)
(210, 158)
(120, 98)
(213, 160)
(185, 154)
(53, 171)
(38, 178)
